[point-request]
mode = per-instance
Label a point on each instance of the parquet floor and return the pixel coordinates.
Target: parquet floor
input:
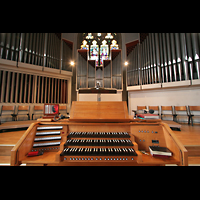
(189, 135)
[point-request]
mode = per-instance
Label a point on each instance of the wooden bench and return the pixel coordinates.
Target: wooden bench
(193, 109)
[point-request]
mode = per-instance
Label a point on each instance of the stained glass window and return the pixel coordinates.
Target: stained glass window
(94, 51)
(104, 52)
(99, 46)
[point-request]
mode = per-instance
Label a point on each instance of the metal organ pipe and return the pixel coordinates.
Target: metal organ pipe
(196, 54)
(169, 57)
(158, 57)
(184, 55)
(139, 69)
(33, 49)
(26, 48)
(21, 46)
(154, 58)
(36, 49)
(189, 51)
(30, 47)
(141, 64)
(165, 57)
(162, 78)
(151, 58)
(173, 56)
(178, 55)
(8, 45)
(136, 65)
(146, 61)
(2, 43)
(12, 46)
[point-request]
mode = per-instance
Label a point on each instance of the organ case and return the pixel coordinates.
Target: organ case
(98, 133)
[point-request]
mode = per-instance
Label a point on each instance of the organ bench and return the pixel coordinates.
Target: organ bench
(98, 134)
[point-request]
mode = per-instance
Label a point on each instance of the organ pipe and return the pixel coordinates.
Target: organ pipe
(158, 57)
(2, 43)
(154, 57)
(196, 55)
(148, 61)
(43, 49)
(169, 57)
(184, 55)
(145, 62)
(162, 76)
(178, 54)
(151, 58)
(173, 56)
(189, 51)
(166, 57)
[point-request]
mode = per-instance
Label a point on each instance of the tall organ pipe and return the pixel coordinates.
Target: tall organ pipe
(158, 56)
(30, 48)
(26, 48)
(149, 62)
(36, 49)
(173, 55)
(21, 46)
(184, 55)
(196, 52)
(2, 40)
(154, 58)
(161, 58)
(8, 45)
(134, 66)
(146, 62)
(142, 64)
(12, 46)
(165, 57)
(178, 55)
(169, 57)
(189, 51)
(151, 57)
(139, 66)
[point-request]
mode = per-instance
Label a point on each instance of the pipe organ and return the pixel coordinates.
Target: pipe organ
(42, 49)
(97, 134)
(164, 57)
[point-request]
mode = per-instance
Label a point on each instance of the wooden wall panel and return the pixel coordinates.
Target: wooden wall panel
(26, 88)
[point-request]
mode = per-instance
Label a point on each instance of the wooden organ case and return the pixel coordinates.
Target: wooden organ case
(98, 134)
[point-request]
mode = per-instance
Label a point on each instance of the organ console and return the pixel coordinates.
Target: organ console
(97, 134)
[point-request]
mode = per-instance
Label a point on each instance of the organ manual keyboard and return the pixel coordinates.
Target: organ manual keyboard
(98, 134)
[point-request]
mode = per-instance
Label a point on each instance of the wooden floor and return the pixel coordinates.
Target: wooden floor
(189, 136)
(16, 124)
